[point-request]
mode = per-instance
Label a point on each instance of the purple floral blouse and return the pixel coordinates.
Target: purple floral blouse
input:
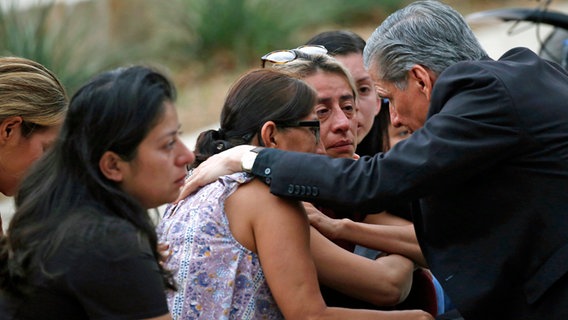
(217, 277)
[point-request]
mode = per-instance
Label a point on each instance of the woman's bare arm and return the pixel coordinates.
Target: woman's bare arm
(399, 239)
(385, 281)
(386, 218)
(282, 239)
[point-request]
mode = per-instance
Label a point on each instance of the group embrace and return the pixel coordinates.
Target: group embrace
(406, 177)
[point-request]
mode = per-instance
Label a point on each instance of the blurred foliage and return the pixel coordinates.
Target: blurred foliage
(40, 34)
(79, 40)
(232, 34)
(202, 36)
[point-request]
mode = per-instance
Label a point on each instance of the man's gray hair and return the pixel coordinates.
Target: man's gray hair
(427, 33)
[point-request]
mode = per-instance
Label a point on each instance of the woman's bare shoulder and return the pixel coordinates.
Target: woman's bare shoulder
(255, 196)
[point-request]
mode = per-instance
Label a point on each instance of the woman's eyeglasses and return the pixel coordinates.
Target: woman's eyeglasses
(283, 56)
(313, 125)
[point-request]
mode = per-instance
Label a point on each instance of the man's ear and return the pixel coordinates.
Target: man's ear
(9, 127)
(423, 78)
(110, 166)
(268, 134)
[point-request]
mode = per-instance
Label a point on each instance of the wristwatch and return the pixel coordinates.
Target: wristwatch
(247, 160)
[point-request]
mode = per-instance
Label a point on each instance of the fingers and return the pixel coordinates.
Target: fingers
(310, 208)
(206, 173)
(164, 251)
(314, 215)
(191, 185)
(226, 162)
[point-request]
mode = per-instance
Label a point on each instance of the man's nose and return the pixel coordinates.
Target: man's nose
(394, 117)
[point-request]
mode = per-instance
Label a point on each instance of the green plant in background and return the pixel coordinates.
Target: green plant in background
(53, 35)
(240, 28)
(79, 40)
(229, 33)
(358, 12)
(234, 33)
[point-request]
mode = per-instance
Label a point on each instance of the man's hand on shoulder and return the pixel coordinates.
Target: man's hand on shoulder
(218, 165)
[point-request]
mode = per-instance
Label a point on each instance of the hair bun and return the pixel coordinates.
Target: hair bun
(220, 134)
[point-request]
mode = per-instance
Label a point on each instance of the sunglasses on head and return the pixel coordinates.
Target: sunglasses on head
(284, 56)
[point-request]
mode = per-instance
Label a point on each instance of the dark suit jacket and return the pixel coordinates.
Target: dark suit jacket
(488, 174)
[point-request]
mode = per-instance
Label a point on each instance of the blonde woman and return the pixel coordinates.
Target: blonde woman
(32, 107)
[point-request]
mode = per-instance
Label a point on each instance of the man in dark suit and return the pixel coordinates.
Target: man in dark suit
(486, 166)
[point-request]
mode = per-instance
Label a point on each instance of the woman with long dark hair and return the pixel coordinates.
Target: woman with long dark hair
(81, 244)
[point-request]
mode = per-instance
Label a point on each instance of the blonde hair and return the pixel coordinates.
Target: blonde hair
(31, 91)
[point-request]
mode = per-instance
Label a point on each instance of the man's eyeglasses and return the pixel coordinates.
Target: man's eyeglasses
(283, 56)
(313, 125)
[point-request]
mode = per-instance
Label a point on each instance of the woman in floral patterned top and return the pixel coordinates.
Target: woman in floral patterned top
(237, 251)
